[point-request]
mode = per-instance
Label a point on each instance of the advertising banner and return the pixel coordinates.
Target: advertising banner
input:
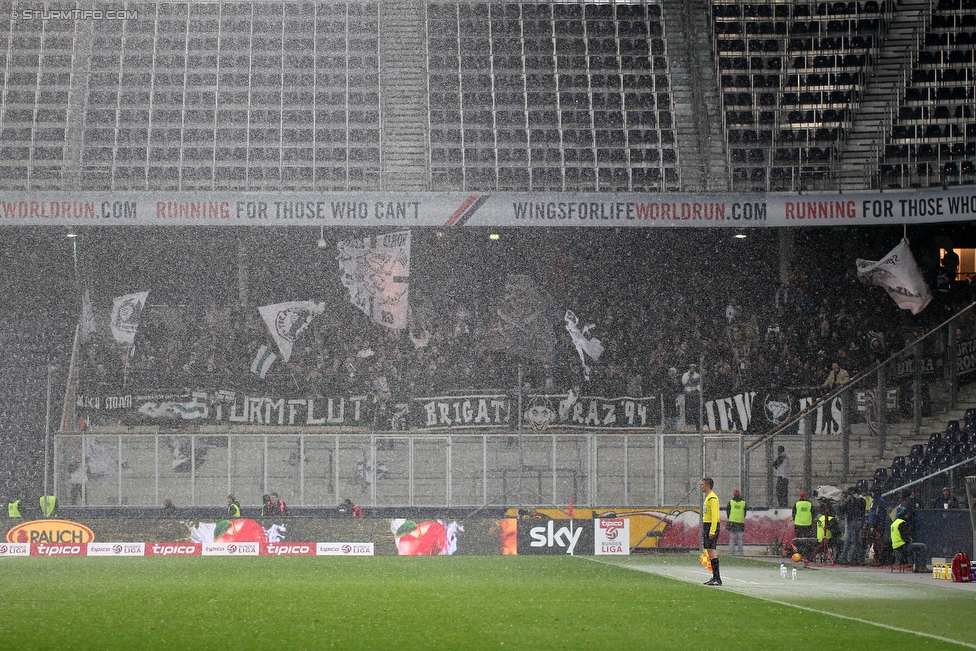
(50, 531)
(48, 549)
(574, 537)
(116, 549)
(288, 549)
(611, 537)
(456, 209)
(174, 549)
(15, 549)
(343, 549)
(232, 549)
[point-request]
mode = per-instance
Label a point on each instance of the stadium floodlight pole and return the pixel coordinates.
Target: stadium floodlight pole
(47, 428)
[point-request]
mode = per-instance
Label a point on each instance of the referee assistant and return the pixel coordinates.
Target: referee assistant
(710, 521)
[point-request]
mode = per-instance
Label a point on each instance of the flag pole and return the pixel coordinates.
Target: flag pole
(519, 423)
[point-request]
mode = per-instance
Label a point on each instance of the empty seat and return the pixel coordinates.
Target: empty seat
(898, 462)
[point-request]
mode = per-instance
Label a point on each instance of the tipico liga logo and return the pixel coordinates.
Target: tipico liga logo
(14, 549)
(611, 527)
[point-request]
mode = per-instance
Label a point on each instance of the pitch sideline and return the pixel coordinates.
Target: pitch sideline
(652, 570)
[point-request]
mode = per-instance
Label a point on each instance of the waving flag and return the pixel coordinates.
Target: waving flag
(522, 325)
(898, 273)
(124, 319)
(584, 344)
(286, 321)
(376, 272)
(263, 361)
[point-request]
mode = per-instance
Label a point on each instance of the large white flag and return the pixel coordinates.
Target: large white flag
(286, 321)
(376, 271)
(898, 273)
(583, 342)
(124, 320)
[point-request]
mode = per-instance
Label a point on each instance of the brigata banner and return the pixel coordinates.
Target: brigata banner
(456, 209)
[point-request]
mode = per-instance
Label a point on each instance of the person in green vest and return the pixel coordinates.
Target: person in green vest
(736, 509)
(48, 504)
(829, 530)
(13, 508)
(803, 517)
(901, 542)
(233, 508)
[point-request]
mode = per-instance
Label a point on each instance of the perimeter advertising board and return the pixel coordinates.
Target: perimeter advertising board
(555, 537)
(455, 209)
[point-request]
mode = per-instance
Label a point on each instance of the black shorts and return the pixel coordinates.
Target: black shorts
(709, 542)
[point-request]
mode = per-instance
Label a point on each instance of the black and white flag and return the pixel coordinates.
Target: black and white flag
(899, 274)
(124, 319)
(286, 321)
(376, 271)
(522, 324)
(585, 345)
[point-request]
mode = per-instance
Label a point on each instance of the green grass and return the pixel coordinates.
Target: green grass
(424, 603)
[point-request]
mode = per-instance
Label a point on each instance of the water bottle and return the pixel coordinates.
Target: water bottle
(782, 570)
(794, 574)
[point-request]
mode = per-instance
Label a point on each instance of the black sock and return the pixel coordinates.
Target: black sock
(715, 574)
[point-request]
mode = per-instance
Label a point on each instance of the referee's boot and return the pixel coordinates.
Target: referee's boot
(713, 581)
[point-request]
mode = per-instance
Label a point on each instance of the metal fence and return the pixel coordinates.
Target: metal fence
(450, 470)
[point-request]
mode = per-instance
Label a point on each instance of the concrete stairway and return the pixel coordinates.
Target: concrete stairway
(881, 93)
(403, 88)
(694, 88)
(864, 457)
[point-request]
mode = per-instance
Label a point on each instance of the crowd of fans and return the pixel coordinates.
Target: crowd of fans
(656, 307)
(660, 302)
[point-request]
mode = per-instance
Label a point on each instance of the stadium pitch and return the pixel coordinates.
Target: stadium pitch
(470, 603)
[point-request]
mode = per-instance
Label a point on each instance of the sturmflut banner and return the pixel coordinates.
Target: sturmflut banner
(451, 210)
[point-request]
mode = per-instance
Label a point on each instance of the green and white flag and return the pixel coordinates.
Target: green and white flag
(185, 410)
(263, 361)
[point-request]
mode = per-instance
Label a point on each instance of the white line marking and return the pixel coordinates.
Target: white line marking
(932, 636)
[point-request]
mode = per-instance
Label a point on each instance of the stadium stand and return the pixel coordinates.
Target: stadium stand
(540, 96)
(487, 96)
